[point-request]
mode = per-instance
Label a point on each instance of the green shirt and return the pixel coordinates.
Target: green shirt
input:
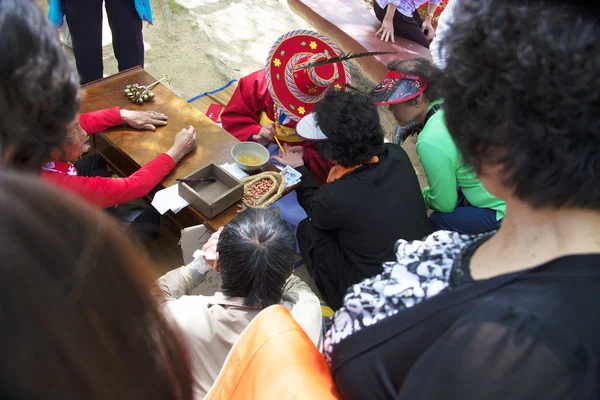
(446, 170)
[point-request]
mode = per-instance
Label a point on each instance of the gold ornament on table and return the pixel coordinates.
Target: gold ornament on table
(140, 94)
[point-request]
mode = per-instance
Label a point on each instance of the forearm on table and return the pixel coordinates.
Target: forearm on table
(150, 175)
(101, 120)
(108, 192)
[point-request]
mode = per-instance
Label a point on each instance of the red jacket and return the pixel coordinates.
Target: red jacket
(241, 118)
(107, 192)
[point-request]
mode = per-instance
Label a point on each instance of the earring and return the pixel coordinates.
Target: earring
(417, 105)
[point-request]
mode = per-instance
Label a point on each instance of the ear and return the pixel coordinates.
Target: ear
(419, 100)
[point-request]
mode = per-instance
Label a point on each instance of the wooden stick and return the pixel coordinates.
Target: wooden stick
(210, 180)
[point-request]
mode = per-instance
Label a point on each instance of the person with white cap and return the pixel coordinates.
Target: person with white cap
(372, 195)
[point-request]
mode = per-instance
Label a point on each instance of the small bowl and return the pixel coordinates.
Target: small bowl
(256, 149)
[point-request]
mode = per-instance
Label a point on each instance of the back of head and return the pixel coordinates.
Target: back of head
(39, 92)
(523, 93)
(256, 256)
(77, 319)
(426, 70)
(351, 122)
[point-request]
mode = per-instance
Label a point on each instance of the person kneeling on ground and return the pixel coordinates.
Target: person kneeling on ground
(90, 179)
(265, 108)
(372, 196)
(459, 200)
(254, 254)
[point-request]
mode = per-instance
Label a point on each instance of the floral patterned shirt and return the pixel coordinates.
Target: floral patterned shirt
(422, 270)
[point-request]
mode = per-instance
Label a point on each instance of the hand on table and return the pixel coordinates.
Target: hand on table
(211, 248)
(266, 135)
(386, 31)
(185, 141)
(427, 26)
(147, 120)
(291, 155)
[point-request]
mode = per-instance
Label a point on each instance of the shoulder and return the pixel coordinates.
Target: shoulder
(436, 125)
(396, 151)
(421, 270)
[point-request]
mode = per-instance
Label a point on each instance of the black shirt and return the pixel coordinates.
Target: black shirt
(533, 334)
(369, 209)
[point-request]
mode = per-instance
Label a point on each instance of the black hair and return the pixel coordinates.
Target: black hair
(256, 255)
(39, 92)
(522, 92)
(351, 122)
(426, 70)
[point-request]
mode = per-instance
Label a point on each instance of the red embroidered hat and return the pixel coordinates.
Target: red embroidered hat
(398, 87)
(294, 88)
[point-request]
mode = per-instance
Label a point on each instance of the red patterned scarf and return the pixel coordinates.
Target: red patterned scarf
(60, 167)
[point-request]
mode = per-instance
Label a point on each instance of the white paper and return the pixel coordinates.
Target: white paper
(234, 170)
(169, 199)
(207, 255)
(291, 176)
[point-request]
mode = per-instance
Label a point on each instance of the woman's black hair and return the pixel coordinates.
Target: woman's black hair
(426, 70)
(256, 256)
(39, 92)
(351, 122)
(522, 91)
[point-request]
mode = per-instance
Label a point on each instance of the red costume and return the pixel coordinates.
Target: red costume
(107, 192)
(242, 118)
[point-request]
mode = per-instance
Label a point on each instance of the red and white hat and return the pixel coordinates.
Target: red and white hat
(294, 85)
(398, 87)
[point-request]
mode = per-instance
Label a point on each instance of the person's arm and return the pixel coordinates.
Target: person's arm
(108, 192)
(307, 308)
(438, 53)
(101, 120)
(441, 194)
(182, 281)
(241, 116)
(314, 202)
(427, 24)
(387, 25)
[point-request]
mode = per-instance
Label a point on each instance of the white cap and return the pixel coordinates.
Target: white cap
(307, 129)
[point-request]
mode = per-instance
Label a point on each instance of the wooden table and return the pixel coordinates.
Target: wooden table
(126, 149)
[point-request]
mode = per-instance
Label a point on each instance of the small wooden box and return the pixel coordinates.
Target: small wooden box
(212, 198)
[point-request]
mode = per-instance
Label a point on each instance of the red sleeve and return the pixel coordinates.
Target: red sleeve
(241, 116)
(313, 161)
(107, 192)
(101, 120)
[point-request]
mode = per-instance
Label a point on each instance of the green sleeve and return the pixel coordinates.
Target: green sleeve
(441, 193)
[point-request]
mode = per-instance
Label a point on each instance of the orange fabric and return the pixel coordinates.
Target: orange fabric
(337, 171)
(273, 360)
